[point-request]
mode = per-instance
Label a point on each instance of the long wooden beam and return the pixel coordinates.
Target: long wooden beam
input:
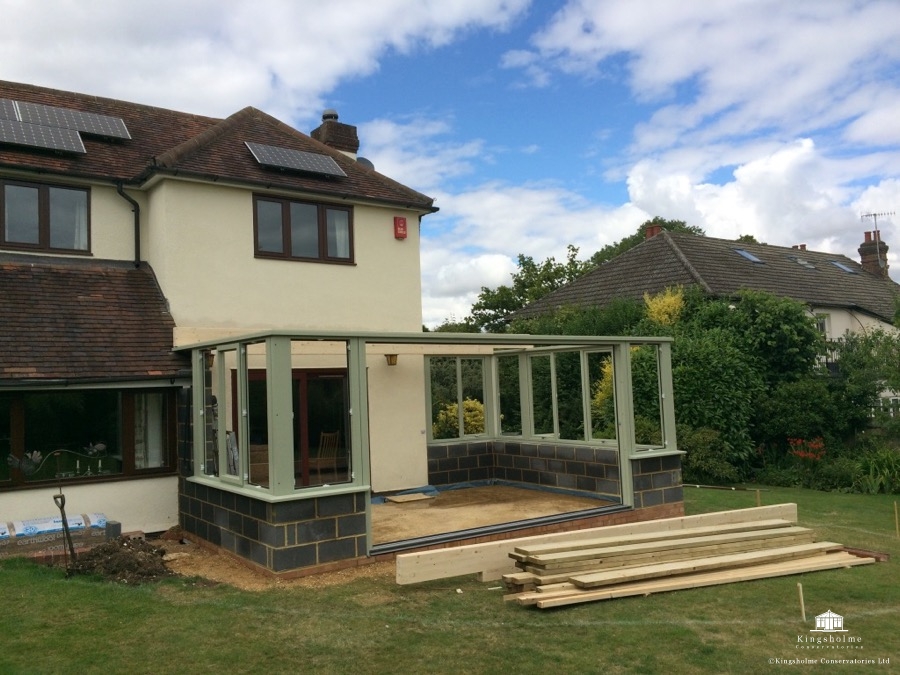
(571, 596)
(491, 560)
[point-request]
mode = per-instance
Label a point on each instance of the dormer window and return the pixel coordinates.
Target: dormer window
(44, 217)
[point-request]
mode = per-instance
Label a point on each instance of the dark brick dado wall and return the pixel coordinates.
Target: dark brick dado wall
(560, 465)
(282, 536)
(656, 480)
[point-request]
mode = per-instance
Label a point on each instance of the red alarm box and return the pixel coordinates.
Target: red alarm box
(399, 227)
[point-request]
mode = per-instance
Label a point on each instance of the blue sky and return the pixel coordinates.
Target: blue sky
(534, 124)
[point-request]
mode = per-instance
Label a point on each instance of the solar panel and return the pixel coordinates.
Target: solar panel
(66, 118)
(285, 158)
(8, 109)
(37, 136)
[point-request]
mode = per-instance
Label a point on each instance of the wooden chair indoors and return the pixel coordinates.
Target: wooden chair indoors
(327, 457)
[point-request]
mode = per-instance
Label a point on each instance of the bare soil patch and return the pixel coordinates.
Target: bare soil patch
(136, 561)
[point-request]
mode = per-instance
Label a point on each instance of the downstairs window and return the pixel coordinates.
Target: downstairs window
(85, 435)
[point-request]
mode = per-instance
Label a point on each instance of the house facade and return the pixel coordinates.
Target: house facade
(128, 230)
(843, 295)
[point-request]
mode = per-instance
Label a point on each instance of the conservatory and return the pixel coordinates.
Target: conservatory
(297, 438)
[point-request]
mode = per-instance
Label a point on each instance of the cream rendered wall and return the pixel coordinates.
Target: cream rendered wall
(397, 415)
(201, 246)
(148, 505)
(112, 224)
(200, 243)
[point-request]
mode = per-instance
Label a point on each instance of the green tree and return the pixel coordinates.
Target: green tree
(532, 281)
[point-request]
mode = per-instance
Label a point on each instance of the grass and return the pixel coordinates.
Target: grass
(52, 624)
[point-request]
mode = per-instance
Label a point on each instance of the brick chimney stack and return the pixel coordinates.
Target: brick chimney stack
(873, 254)
(336, 134)
(651, 231)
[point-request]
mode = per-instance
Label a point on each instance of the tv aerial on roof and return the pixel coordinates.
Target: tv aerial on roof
(875, 217)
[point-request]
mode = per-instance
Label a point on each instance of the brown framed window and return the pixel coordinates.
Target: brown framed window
(79, 435)
(44, 217)
(284, 228)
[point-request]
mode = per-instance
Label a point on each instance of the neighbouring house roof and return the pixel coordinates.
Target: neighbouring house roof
(714, 265)
(170, 142)
(83, 320)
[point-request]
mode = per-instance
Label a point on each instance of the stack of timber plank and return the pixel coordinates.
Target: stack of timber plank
(570, 572)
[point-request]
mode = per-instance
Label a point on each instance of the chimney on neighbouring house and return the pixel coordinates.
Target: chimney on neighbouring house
(336, 134)
(799, 247)
(873, 254)
(652, 230)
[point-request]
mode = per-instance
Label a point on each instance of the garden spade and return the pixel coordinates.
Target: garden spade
(60, 501)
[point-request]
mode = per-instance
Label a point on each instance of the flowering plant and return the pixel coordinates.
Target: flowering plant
(809, 452)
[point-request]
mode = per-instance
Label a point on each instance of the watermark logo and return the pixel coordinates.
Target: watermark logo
(830, 643)
(829, 622)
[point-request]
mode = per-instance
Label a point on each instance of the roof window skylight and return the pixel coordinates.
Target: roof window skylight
(749, 256)
(802, 261)
(842, 266)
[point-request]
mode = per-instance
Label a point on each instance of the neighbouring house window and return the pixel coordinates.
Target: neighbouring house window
(823, 325)
(46, 217)
(82, 435)
(302, 230)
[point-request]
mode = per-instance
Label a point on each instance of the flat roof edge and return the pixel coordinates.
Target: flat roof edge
(487, 339)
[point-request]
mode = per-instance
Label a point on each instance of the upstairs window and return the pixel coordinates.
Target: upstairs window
(302, 230)
(45, 217)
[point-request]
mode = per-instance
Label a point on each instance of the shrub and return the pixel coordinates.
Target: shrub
(838, 474)
(446, 425)
(707, 456)
(880, 472)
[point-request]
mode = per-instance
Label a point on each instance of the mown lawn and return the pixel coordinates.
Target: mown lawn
(56, 625)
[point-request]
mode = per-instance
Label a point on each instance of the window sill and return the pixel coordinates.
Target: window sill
(655, 452)
(263, 494)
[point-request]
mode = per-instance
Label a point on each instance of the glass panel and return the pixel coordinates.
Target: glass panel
(541, 395)
(5, 436)
(269, 232)
(21, 215)
(338, 229)
(258, 430)
(510, 396)
(210, 466)
(645, 391)
(444, 395)
(603, 400)
(321, 406)
(569, 400)
(473, 395)
(150, 431)
(304, 231)
(326, 424)
(68, 219)
(69, 434)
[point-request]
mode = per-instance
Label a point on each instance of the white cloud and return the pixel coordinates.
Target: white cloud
(214, 58)
(727, 69)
